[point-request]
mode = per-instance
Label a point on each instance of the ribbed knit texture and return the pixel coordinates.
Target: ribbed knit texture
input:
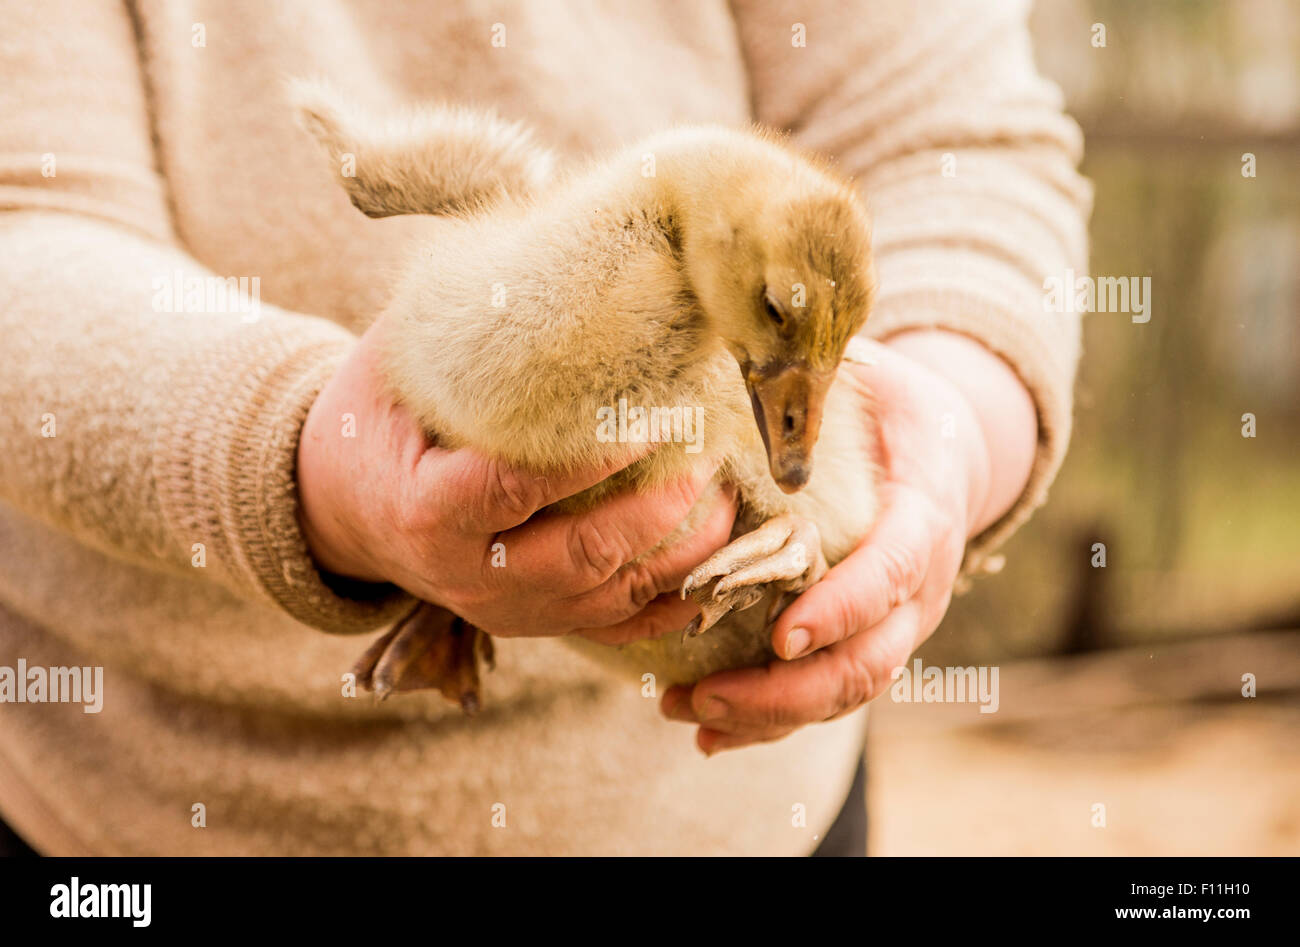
(176, 431)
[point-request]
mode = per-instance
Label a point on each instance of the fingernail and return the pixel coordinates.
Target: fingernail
(715, 708)
(700, 739)
(796, 643)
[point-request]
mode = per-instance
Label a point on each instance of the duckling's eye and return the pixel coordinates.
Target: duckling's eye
(775, 311)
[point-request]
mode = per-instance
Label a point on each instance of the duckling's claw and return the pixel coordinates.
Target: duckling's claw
(784, 554)
(746, 550)
(430, 648)
(790, 561)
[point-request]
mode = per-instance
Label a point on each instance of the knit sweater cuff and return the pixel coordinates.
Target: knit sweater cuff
(226, 461)
(996, 306)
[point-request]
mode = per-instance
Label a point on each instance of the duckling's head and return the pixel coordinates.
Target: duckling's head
(785, 277)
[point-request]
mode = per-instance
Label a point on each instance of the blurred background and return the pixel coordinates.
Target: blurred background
(1122, 686)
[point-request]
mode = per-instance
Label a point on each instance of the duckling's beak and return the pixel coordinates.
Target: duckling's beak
(788, 399)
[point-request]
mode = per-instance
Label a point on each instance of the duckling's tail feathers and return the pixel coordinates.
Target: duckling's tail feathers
(422, 160)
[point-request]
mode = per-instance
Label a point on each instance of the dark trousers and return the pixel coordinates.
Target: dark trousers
(11, 846)
(847, 836)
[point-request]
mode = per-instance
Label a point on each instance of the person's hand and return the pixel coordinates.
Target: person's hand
(957, 435)
(385, 505)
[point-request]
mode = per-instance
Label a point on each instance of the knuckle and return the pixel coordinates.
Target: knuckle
(902, 571)
(770, 710)
(855, 685)
(680, 496)
(767, 715)
(597, 553)
(510, 495)
(641, 583)
(846, 618)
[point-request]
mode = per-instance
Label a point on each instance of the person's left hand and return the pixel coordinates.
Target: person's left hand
(940, 483)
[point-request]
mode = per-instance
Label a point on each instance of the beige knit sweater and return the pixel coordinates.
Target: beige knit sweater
(154, 533)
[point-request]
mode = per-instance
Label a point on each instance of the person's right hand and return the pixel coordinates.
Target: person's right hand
(385, 505)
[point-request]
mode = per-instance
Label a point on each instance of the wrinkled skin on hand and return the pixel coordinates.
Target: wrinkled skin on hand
(387, 505)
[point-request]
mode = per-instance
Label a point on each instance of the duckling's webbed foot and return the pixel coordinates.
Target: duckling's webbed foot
(784, 554)
(430, 648)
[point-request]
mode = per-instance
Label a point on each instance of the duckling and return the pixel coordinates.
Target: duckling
(702, 267)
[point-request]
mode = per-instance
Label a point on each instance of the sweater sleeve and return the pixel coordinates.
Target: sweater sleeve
(164, 438)
(967, 162)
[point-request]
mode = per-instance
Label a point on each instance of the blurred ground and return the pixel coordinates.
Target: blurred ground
(1162, 737)
(1109, 674)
